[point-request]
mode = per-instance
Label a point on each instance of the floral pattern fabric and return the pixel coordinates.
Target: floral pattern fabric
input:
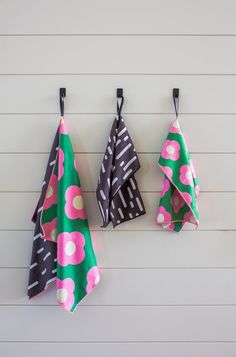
(178, 198)
(64, 222)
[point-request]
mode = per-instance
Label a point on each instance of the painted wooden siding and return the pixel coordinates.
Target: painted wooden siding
(161, 294)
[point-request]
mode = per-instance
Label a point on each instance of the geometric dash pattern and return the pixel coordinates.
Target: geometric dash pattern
(117, 192)
(43, 268)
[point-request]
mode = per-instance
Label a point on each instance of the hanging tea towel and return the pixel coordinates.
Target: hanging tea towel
(117, 192)
(43, 270)
(178, 198)
(63, 223)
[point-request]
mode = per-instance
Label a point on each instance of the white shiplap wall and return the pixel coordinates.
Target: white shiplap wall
(161, 294)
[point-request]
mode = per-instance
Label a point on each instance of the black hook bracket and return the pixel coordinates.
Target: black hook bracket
(120, 100)
(119, 92)
(176, 100)
(175, 92)
(62, 94)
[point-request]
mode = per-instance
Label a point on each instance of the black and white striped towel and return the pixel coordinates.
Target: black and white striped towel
(43, 268)
(117, 192)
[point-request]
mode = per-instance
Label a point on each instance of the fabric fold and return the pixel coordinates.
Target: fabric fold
(178, 198)
(43, 271)
(62, 225)
(117, 192)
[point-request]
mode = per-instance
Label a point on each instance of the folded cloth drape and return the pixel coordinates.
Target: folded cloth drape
(178, 198)
(63, 225)
(117, 192)
(43, 271)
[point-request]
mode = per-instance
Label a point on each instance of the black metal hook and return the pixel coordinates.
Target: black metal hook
(176, 100)
(62, 94)
(119, 95)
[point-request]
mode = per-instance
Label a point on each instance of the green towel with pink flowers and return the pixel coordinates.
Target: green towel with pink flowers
(64, 222)
(178, 198)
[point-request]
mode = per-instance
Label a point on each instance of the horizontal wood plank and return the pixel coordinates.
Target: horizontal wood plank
(117, 249)
(34, 133)
(96, 93)
(118, 324)
(177, 349)
(216, 212)
(119, 55)
(215, 172)
(135, 287)
(151, 16)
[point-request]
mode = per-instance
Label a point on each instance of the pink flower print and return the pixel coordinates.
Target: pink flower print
(186, 176)
(51, 194)
(187, 197)
(192, 169)
(50, 230)
(63, 129)
(170, 150)
(163, 217)
(189, 217)
(168, 171)
(70, 248)
(165, 187)
(74, 207)
(169, 227)
(177, 201)
(61, 158)
(175, 127)
(65, 293)
(92, 279)
(197, 190)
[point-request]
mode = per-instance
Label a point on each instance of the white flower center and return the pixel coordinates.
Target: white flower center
(54, 234)
(78, 202)
(170, 149)
(189, 175)
(176, 201)
(160, 218)
(62, 295)
(49, 192)
(70, 248)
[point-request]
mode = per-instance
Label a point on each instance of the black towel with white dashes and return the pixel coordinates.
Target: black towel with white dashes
(43, 268)
(117, 192)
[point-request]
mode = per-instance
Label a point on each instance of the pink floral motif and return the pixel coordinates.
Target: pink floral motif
(74, 207)
(170, 150)
(168, 171)
(169, 227)
(63, 129)
(187, 197)
(51, 194)
(65, 293)
(192, 169)
(186, 176)
(163, 217)
(189, 217)
(92, 279)
(197, 190)
(165, 187)
(70, 248)
(175, 127)
(50, 230)
(61, 158)
(177, 201)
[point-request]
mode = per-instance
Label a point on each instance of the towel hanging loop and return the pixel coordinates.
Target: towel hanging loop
(62, 94)
(176, 100)
(120, 100)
